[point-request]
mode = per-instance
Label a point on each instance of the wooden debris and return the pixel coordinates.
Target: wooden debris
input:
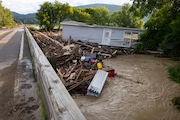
(70, 71)
(61, 75)
(48, 46)
(92, 51)
(74, 73)
(156, 53)
(54, 41)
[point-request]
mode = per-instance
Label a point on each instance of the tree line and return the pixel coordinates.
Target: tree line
(6, 17)
(51, 14)
(162, 28)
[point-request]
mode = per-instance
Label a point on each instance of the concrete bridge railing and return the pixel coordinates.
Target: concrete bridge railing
(59, 103)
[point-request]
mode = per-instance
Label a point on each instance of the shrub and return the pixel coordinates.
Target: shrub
(174, 73)
(176, 102)
(33, 28)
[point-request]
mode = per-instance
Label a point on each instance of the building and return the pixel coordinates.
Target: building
(103, 35)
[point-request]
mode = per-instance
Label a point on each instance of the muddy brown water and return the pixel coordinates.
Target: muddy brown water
(141, 91)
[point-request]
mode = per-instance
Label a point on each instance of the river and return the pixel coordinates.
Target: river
(140, 91)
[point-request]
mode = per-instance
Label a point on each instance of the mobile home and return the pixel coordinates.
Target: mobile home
(103, 35)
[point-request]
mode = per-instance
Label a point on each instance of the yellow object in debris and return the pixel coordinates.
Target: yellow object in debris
(99, 65)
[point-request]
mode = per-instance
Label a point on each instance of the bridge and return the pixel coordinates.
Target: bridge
(27, 79)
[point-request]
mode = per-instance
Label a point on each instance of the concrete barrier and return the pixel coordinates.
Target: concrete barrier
(59, 103)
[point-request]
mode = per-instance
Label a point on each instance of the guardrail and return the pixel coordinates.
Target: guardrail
(59, 103)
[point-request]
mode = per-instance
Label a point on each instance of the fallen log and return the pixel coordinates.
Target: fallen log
(155, 52)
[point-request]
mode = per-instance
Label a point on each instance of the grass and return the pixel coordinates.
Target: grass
(44, 113)
(174, 73)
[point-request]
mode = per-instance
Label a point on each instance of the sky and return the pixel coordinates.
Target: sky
(31, 6)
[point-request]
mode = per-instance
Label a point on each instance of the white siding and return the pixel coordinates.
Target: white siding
(95, 34)
(83, 33)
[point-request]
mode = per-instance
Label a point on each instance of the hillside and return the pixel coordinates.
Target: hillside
(25, 18)
(31, 18)
(111, 7)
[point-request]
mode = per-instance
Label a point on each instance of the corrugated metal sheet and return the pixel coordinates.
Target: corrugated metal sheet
(97, 83)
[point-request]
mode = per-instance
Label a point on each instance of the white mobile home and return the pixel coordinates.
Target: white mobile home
(103, 35)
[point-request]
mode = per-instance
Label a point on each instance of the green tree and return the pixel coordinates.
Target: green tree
(51, 14)
(126, 18)
(6, 17)
(45, 16)
(80, 15)
(149, 6)
(62, 11)
(162, 28)
(101, 16)
(1, 12)
(91, 12)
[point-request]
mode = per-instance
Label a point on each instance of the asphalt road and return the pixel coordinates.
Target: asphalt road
(9, 46)
(18, 92)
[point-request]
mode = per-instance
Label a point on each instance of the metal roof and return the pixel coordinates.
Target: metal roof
(80, 24)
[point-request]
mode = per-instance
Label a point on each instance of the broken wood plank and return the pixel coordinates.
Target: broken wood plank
(69, 40)
(56, 42)
(79, 83)
(80, 43)
(92, 51)
(61, 76)
(104, 54)
(155, 52)
(70, 71)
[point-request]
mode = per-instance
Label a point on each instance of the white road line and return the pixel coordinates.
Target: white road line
(17, 80)
(21, 48)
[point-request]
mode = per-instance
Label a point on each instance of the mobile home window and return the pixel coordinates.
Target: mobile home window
(127, 35)
(127, 38)
(135, 36)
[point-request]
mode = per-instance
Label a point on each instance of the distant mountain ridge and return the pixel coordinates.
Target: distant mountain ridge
(111, 7)
(25, 18)
(31, 18)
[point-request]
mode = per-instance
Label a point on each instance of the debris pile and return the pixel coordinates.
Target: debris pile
(76, 62)
(49, 46)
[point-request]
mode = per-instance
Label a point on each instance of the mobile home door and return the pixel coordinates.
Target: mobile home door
(106, 36)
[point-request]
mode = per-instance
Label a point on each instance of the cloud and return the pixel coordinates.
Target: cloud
(23, 6)
(31, 6)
